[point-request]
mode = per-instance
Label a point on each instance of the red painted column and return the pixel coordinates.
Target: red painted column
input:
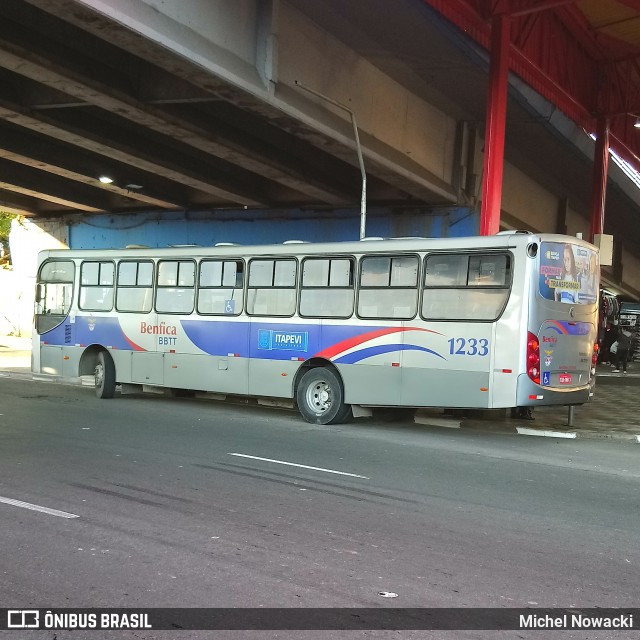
(495, 126)
(600, 168)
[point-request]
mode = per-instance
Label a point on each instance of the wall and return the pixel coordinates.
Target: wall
(17, 284)
(28, 238)
(266, 227)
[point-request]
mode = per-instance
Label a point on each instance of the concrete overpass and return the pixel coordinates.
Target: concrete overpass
(212, 113)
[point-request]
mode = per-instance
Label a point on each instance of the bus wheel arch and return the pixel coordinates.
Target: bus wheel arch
(105, 375)
(89, 360)
(319, 393)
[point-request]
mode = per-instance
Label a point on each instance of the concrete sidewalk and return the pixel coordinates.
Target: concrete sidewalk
(613, 413)
(15, 354)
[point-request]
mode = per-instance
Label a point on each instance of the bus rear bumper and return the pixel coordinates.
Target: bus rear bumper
(530, 394)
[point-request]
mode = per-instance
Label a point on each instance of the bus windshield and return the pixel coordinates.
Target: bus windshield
(569, 273)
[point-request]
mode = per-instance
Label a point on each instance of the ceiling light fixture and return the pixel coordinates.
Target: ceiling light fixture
(636, 124)
(105, 179)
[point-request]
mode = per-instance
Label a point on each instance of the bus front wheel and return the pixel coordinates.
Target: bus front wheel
(105, 376)
(320, 397)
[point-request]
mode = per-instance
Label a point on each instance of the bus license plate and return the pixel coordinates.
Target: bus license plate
(565, 378)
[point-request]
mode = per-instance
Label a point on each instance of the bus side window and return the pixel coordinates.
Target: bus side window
(446, 270)
(327, 288)
(96, 286)
(272, 287)
(466, 286)
(388, 287)
(175, 292)
(488, 271)
(220, 287)
(134, 291)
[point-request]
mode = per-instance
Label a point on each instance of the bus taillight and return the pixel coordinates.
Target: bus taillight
(594, 357)
(533, 357)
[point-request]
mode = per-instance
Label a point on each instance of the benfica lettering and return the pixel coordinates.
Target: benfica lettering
(161, 329)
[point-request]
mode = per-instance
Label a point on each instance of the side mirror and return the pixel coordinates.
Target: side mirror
(40, 292)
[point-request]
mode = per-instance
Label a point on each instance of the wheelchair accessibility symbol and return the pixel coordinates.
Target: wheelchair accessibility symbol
(229, 306)
(546, 377)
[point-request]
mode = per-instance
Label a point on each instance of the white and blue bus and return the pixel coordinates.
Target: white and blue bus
(483, 322)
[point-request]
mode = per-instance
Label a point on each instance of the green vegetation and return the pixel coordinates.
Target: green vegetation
(5, 225)
(5, 228)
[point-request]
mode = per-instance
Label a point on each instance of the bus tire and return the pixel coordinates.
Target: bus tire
(105, 376)
(320, 397)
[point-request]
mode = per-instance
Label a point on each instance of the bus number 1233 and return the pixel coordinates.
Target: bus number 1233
(470, 347)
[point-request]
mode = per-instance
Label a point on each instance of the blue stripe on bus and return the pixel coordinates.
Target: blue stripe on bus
(219, 338)
(243, 339)
(569, 327)
(369, 352)
(87, 330)
(106, 331)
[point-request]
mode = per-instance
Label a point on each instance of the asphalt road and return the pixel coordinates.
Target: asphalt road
(188, 503)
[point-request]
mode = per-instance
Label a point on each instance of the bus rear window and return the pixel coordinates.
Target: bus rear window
(569, 273)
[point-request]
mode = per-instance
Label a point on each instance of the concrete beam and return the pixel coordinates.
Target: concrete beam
(58, 71)
(36, 193)
(18, 204)
(33, 182)
(105, 146)
(32, 151)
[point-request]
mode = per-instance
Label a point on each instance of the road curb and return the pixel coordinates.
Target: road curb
(545, 433)
(552, 431)
(512, 427)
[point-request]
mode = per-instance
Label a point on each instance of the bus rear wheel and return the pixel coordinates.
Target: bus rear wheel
(105, 376)
(320, 397)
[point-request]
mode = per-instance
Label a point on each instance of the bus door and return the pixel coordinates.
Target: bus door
(53, 303)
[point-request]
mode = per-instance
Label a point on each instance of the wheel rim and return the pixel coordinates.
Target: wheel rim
(99, 375)
(318, 396)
